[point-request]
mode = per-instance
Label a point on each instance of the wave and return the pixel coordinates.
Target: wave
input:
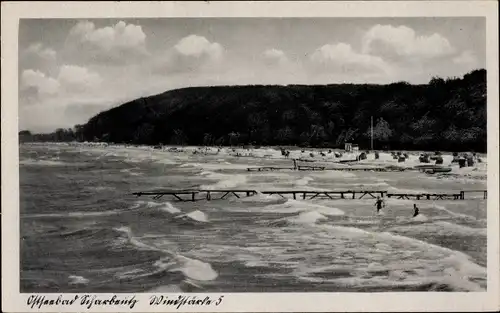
(168, 207)
(307, 218)
(82, 214)
(437, 267)
(400, 280)
(402, 190)
(306, 206)
(77, 280)
(420, 218)
(130, 172)
(171, 262)
(345, 231)
(191, 165)
(262, 198)
(294, 206)
(99, 188)
(440, 228)
(333, 174)
(194, 216)
(454, 214)
(309, 214)
(173, 214)
(461, 229)
(224, 180)
(194, 269)
(45, 162)
(85, 233)
(455, 265)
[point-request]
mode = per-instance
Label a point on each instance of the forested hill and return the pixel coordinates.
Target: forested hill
(441, 115)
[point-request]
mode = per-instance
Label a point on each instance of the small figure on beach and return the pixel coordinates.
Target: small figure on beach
(415, 210)
(462, 161)
(379, 203)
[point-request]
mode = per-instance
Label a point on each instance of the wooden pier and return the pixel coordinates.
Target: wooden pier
(365, 169)
(310, 168)
(347, 167)
(221, 194)
(269, 168)
(427, 196)
(484, 192)
(322, 168)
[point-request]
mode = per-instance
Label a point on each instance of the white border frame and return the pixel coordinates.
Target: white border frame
(13, 301)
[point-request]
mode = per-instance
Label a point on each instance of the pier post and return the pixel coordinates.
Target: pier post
(485, 195)
(208, 195)
(294, 197)
(462, 195)
(192, 196)
(304, 195)
(354, 195)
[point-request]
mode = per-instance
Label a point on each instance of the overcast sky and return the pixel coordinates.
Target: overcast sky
(69, 70)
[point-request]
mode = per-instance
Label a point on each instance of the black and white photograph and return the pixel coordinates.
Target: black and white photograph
(255, 154)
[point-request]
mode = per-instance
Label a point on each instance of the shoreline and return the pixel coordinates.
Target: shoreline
(243, 147)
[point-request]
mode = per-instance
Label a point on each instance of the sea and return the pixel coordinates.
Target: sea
(83, 230)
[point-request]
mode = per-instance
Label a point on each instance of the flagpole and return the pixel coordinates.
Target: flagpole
(372, 133)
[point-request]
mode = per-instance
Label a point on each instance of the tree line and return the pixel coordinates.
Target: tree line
(445, 114)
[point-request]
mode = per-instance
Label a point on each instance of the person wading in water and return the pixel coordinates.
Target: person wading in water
(379, 203)
(415, 210)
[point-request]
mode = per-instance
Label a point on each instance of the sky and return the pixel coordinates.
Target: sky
(70, 70)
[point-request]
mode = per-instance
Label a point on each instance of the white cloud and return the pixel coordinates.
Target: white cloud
(71, 80)
(198, 46)
(402, 41)
(190, 54)
(341, 57)
(73, 95)
(119, 42)
(275, 56)
(78, 78)
(43, 84)
(37, 56)
(38, 50)
(464, 62)
(467, 58)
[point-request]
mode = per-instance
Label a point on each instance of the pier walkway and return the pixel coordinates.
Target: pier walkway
(221, 194)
